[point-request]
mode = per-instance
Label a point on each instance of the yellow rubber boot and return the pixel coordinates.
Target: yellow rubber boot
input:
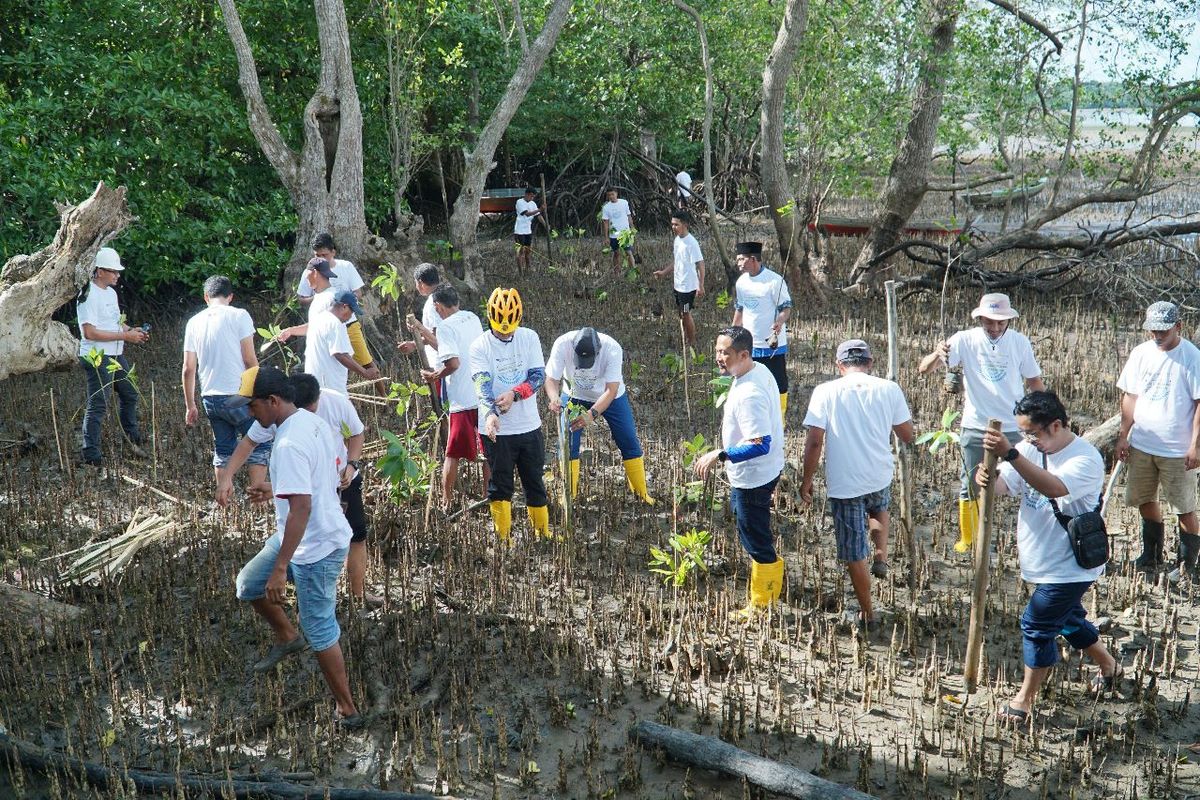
(766, 584)
(783, 403)
(539, 520)
(502, 519)
(635, 476)
(574, 463)
(968, 523)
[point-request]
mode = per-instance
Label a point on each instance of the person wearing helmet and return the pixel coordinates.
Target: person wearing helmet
(103, 336)
(507, 369)
(591, 363)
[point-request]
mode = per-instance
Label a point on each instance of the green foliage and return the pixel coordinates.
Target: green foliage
(720, 389)
(672, 363)
(724, 299)
(635, 369)
(694, 448)
(405, 465)
(944, 435)
(389, 282)
(403, 394)
(688, 554)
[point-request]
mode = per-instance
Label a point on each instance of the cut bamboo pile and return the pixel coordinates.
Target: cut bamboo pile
(97, 561)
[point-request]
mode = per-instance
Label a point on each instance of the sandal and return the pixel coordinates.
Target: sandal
(1013, 716)
(1107, 683)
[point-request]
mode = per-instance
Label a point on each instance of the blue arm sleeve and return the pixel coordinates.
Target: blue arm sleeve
(483, 388)
(744, 451)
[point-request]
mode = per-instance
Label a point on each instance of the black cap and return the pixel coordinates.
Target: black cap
(322, 266)
(587, 345)
(748, 249)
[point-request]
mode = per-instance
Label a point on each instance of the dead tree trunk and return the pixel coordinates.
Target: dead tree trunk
(37, 616)
(707, 752)
(907, 179)
(478, 160)
(325, 179)
(33, 287)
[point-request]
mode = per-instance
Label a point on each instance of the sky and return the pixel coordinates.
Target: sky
(1124, 50)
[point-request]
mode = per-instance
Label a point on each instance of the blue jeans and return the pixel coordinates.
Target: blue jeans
(619, 416)
(229, 425)
(316, 590)
(752, 509)
(100, 382)
(1055, 610)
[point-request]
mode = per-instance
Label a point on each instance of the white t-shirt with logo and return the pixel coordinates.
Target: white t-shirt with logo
(1042, 544)
(524, 224)
(431, 319)
(1167, 385)
(509, 363)
(759, 298)
(340, 418)
(857, 412)
(994, 375)
(327, 336)
(215, 335)
(587, 384)
(346, 277)
(752, 412)
(687, 254)
(101, 310)
(617, 213)
(303, 463)
(456, 333)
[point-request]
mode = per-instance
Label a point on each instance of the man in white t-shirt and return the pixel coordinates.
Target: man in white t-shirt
(763, 305)
(687, 271)
(457, 330)
(1160, 434)
(424, 330)
(311, 539)
(507, 369)
(103, 335)
(1051, 462)
(683, 187)
(218, 345)
(998, 367)
(526, 209)
(591, 363)
(752, 452)
(328, 354)
(320, 276)
(853, 418)
(617, 220)
(343, 275)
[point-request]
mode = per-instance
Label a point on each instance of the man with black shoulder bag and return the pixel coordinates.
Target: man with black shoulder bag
(1061, 543)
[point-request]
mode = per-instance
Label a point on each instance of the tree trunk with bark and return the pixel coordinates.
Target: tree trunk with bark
(33, 287)
(479, 159)
(907, 179)
(325, 178)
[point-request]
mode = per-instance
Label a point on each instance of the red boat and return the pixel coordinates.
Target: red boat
(500, 201)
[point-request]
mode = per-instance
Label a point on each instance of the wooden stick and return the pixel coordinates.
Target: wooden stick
(708, 752)
(907, 533)
(983, 540)
(435, 474)
(545, 213)
(153, 434)
(687, 401)
(476, 505)
(62, 461)
(162, 494)
(564, 464)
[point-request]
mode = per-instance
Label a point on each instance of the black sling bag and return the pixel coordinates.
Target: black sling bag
(1086, 532)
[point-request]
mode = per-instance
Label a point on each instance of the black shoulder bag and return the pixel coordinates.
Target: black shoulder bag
(1086, 532)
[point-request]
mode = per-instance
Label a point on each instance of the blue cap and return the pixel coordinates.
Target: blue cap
(348, 298)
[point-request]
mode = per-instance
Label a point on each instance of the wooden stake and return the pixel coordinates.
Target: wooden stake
(983, 541)
(153, 434)
(907, 533)
(436, 474)
(62, 461)
(545, 212)
(687, 401)
(564, 465)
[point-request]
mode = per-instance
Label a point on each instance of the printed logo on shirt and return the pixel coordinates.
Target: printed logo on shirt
(1033, 499)
(585, 378)
(509, 369)
(750, 302)
(993, 367)
(1158, 387)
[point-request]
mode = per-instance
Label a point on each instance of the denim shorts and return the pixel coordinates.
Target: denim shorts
(316, 590)
(850, 527)
(229, 425)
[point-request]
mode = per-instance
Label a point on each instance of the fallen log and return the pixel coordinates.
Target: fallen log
(148, 782)
(1104, 437)
(708, 752)
(40, 616)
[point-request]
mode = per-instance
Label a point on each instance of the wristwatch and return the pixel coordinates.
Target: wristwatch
(1011, 455)
(592, 411)
(722, 456)
(354, 462)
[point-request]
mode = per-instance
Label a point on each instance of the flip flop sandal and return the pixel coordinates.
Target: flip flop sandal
(1107, 683)
(1013, 716)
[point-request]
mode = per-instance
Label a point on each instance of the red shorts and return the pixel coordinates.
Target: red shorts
(463, 441)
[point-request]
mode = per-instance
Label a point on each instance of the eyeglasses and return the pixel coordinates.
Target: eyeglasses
(1033, 435)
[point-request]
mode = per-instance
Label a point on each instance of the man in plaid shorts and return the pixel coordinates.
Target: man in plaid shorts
(852, 419)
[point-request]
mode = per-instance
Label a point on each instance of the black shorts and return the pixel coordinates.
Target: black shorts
(685, 300)
(352, 507)
(778, 366)
(523, 239)
(614, 244)
(523, 452)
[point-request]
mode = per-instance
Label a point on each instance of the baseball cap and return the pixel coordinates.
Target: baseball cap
(748, 249)
(348, 298)
(587, 345)
(107, 258)
(322, 266)
(853, 349)
(258, 382)
(1161, 316)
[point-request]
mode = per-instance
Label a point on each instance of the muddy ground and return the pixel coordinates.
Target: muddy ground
(517, 673)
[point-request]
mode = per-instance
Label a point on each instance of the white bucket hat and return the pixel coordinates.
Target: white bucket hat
(107, 258)
(995, 306)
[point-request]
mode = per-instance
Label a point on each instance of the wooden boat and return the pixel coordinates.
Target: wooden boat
(858, 226)
(1000, 197)
(500, 201)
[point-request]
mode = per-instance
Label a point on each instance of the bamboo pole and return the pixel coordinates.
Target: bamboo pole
(564, 465)
(545, 214)
(62, 461)
(687, 401)
(983, 541)
(153, 434)
(907, 532)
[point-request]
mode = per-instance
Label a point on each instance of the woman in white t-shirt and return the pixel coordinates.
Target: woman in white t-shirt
(1051, 466)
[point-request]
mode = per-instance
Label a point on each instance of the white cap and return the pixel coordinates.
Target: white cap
(107, 258)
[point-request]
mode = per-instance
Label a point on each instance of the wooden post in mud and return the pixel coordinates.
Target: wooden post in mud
(907, 533)
(687, 401)
(545, 214)
(983, 541)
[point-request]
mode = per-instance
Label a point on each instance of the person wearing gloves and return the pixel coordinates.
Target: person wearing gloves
(762, 305)
(590, 362)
